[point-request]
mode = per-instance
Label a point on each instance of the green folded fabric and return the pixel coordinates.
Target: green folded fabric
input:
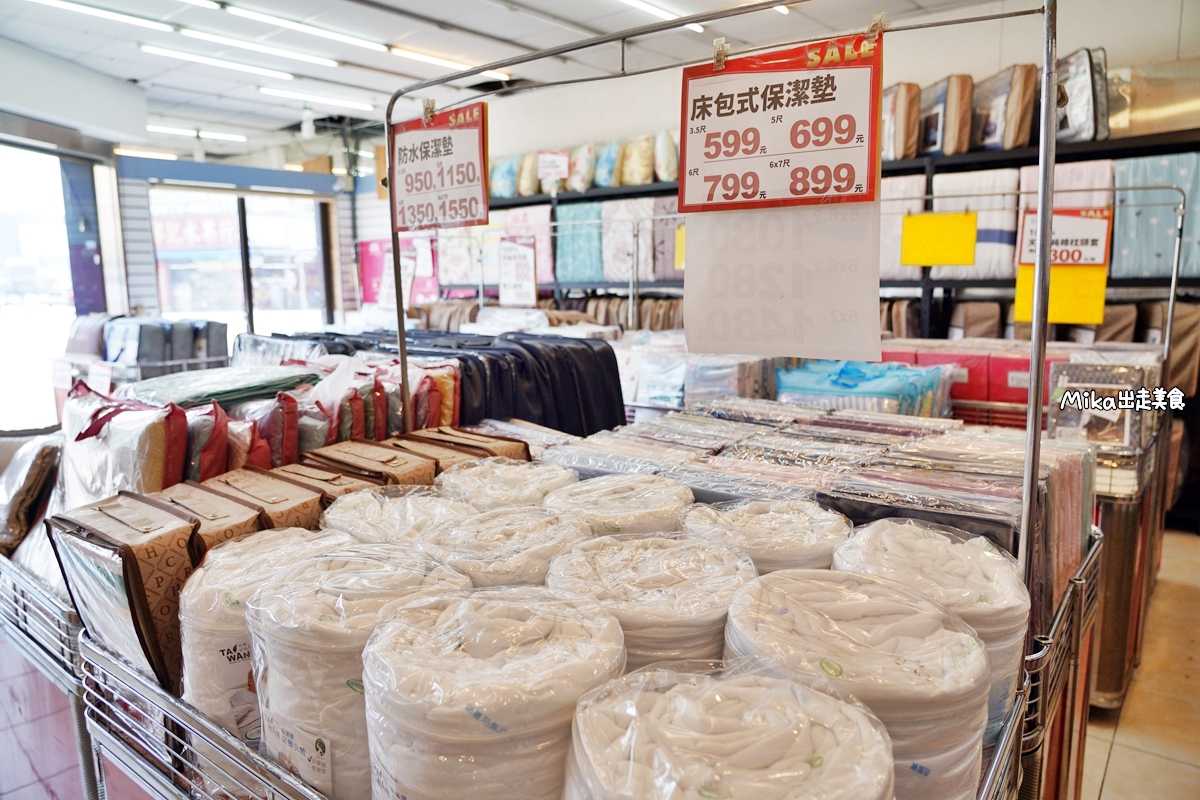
(226, 385)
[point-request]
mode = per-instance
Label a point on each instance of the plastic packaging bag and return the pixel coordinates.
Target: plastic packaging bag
(499, 482)
(666, 157)
(671, 596)
(472, 694)
(25, 487)
(789, 534)
(624, 503)
(583, 168)
(502, 183)
(527, 180)
(393, 514)
(609, 164)
(208, 442)
(277, 423)
(637, 166)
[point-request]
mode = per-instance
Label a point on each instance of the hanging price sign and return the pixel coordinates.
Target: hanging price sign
(793, 127)
(1079, 236)
(439, 170)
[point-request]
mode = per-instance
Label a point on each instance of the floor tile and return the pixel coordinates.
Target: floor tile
(1095, 760)
(1170, 663)
(1155, 723)
(1174, 599)
(1181, 558)
(1102, 723)
(1134, 775)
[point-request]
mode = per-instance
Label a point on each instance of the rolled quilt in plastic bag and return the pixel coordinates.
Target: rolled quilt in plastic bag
(25, 487)
(965, 573)
(783, 534)
(471, 694)
(393, 514)
(624, 503)
(918, 667)
(700, 730)
(498, 482)
(309, 625)
(508, 546)
(671, 596)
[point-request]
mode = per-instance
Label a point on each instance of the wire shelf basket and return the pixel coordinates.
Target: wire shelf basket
(43, 626)
(1002, 775)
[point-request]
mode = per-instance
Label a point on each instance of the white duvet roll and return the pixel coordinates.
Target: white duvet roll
(783, 534)
(685, 730)
(918, 667)
(624, 503)
(506, 547)
(376, 516)
(309, 625)
(471, 694)
(671, 596)
(965, 573)
(502, 482)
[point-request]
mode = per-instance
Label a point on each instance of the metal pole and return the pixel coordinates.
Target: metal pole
(1168, 329)
(1041, 280)
(401, 344)
(247, 284)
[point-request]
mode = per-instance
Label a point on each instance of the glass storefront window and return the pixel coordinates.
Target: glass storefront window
(286, 270)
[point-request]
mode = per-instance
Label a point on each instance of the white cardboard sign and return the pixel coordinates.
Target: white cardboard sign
(518, 271)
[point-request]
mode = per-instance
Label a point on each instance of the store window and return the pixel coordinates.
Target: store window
(286, 265)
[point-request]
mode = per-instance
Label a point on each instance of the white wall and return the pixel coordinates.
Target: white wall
(50, 89)
(1132, 31)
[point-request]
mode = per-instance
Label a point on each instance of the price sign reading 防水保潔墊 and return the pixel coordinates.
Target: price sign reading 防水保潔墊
(793, 127)
(439, 170)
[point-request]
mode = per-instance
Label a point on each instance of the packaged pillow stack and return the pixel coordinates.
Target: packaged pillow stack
(918, 667)
(624, 503)
(709, 730)
(786, 534)
(965, 573)
(471, 694)
(499, 482)
(393, 513)
(671, 596)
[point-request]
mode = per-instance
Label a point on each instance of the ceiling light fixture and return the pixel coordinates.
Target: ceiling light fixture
(125, 151)
(203, 4)
(317, 99)
(660, 13)
(172, 131)
(446, 62)
(258, 48)
(293, 168)
(309, 29)
(112, 16)
(215, 62)
(222, 137)
(782, 9)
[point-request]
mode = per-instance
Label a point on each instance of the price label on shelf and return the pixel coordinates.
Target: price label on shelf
(553, 165)
(792, 127)
(439, 170)
(1079, 237)
(518, 271)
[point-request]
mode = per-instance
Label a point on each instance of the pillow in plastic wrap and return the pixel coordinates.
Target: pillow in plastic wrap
(583, 168)
(502, 183)
(918, 667)
(967, 574)
(700, 729)
(671, 596)
(609, 164)
(505, 547)
(637, 166)
(26, 486)
(208, 442)
(309, 624)
(277, 423)
(784, 534)
(471, 694)
(527, 180)
(666, 157)
(393, 514)
(498, 482)
(624, 503)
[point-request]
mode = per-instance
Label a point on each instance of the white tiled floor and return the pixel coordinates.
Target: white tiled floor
(1150, 748)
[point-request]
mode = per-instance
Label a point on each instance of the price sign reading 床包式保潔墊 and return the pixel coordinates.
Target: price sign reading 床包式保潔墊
(439, 170)
(793, 127)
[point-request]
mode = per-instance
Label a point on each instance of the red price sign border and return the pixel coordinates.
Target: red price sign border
(453, 119)
(796, 59)
(1105, 213)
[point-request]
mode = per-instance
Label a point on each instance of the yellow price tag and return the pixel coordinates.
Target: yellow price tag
(938, 239)
(680, 246)
(1076, 294)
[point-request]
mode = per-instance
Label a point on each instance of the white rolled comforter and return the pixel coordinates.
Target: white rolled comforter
(374, 516)
(624, 503)
(471, 694)
(505, 547)
(671, 596)
(919, 668)
(675, 731)
(503, 482)
(965, 573)
(786, 534)
(309, 625)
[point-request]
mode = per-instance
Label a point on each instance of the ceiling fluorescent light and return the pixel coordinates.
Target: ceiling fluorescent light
(782, 9)
(105, 14)
(124, 151)
(222, 137)
(258, 48)
(173, 131)
(309, 29)
(203, 4)
(446, 62)
(660, 13)
(215, 62)
(317, 99)
(293, 168)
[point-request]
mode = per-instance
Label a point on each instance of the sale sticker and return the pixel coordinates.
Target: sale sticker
(792, 127)
(1079, 236)
(439, 170)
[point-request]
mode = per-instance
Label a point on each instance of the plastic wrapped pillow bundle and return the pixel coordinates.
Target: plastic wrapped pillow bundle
(508, 546)
(671, 596)
(783, 534)
(309, 625)
(918, 667)
(965, 573)
(471, 694)
(498, 482)
(624, 503)
(706, 730)
(393, 514)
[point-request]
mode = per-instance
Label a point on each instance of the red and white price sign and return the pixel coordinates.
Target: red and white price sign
(518, 271)
(1079, 237)
(793, 127)
(439, 170)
